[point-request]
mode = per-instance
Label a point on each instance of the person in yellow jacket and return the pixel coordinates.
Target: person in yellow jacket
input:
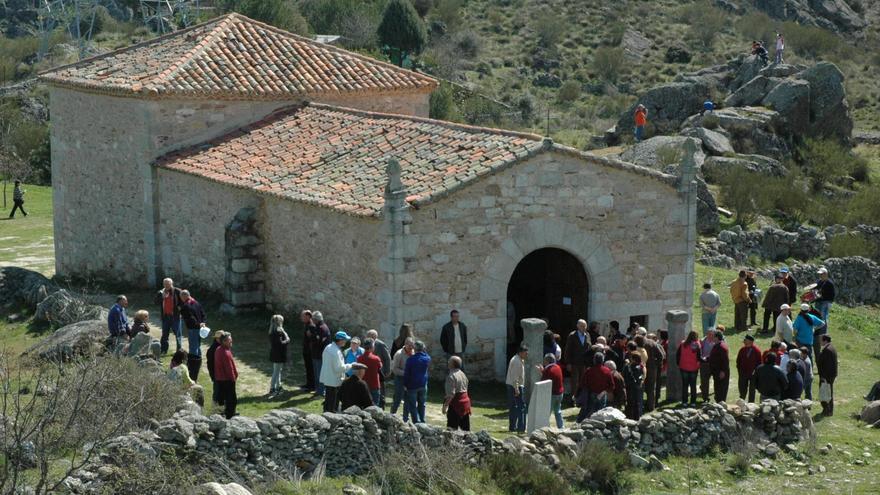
(739, 292)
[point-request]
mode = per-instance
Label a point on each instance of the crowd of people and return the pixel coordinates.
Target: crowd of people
(613, 368)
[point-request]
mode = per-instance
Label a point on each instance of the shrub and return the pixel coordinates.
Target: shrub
(468, 43)
(402, 29)
(282, 14)
(864, 207)
(515, 473)
(710, 121)
(852, 245)
(607, 63)
(526, 106)
(824, 160)
(422, 6)
(448, 12)
(757, 26)
(669, 155)
(358, 30)
(569, 92)
(549, 29)
(427, 471)
(327, 16)
(738, 192)
(810, 41)
(598, 467)
(441, 103)
(706, 22)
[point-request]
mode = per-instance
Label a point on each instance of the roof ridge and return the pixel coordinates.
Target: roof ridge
(473, 129)
(129, 48)
(222, 22)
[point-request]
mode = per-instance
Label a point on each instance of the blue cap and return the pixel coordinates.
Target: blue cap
(341, 335)
(784, 269)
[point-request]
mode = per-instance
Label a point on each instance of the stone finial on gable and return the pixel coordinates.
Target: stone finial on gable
(394, 184)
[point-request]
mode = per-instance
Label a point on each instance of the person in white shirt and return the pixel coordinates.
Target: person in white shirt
(516, 380)
(784, 326)
(784, 357)
(780, 47)
(333, 370)
(398, 364)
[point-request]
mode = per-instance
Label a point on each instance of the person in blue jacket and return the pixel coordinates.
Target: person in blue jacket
(415, 381)
(117, 322)
(804, 325)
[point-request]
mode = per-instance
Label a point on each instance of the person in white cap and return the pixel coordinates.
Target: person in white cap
(825, 290)
(784, 327)
(804, 326)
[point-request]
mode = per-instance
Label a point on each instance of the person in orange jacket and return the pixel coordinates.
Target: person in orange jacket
(641, 120)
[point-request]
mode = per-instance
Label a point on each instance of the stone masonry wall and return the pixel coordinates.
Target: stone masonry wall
(400, 103)
(630, 232)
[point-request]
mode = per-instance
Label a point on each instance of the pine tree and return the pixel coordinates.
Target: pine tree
(402, 30)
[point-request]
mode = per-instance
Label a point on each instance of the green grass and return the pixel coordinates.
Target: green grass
(27, 241)
(856, 333)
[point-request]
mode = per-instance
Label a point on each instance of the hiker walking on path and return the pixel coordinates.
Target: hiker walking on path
(641, 120)
(17, 199)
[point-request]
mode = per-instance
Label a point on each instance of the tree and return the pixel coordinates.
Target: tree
(402, 30)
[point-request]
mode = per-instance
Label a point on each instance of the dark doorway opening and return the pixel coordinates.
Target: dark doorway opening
(550, 284)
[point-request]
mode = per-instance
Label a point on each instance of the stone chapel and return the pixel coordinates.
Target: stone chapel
(240, 158)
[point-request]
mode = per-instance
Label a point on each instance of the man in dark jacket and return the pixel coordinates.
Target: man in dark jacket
(790, 283)
(354, 390)
(719, 367)
(309, 331)
(770, 380)
(168, 300)
(825, 288)
(777, 295)
(752, 284)
(194, 319)
(653, 370)
(827, 363)
(218, 336)
(319, 340)
(747, 360)
(577, 349)
(453, 336)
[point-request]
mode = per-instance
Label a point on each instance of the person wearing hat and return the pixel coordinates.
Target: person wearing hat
(747, 360)
(827, 363)
(805, 326)
(354, 391)
(826, 293)
(777, 295)
(226, 374)
(739, 292)
(333, 368)
(784, 327)
(790, 283)
(640, 118)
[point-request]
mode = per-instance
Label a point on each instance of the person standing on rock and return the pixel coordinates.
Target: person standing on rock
(226, 374)
(827, 363)
(790, 283)
(380, 349)
(333, 368)
(710, 302)
(739, 293)
(398, 369)
(640, 119)
(780, 48)
(309, 331)
(457, 403)
(688, 358)
(168, 299)
(354, 391)
(719, 367)
(551, 371)
(777, 295)
(373, 374)
(453, 336)
(17, 199)
(747, 361)
(515, 383)
(117, 323)
(319, 342)
(278, 341)
(415, 380)
(577, 346)
(770, 380)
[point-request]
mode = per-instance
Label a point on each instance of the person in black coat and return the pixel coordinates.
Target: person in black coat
(827, 363)
(216, 395)
(194, 319)
(453, 336)
(795, 382)
(169, 301)
(278, 340)
(309, 330)
(634, 376)
(770, 380)
(354, 391)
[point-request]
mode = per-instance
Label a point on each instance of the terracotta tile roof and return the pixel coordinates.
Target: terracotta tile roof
(234, 57)
(335, 157)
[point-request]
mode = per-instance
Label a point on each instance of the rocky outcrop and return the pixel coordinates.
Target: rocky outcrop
(829, 110)
(791, 99)
(768, 243)
(22, 287)
(714, 142)
(752, 130)
(668, 106)
(84, 338)
(871, 413)
(63, 308)
(715, 167)
(834, 15)
(752, 92)
(856, 279)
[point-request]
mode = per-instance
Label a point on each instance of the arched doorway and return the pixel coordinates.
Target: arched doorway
(548, 283)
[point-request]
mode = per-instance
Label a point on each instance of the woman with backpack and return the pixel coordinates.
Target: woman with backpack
(278, 340)
(688, 358)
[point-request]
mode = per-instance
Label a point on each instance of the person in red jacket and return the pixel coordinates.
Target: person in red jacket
(747, 360)
(374, 370)
(774, 350)
(595, 385)
(719, 367)
(688, 358)
(640, 118)
(551, 371)
(225, 374)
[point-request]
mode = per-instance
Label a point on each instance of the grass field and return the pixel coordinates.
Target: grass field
(851, 467)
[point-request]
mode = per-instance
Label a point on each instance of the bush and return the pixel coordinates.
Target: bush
(598, 467)
(526, 106)
(358, 30)
(422, 6)
(468, 43)
(669, 155)
(441, 103)
(739, 193)
(515, 473)
(852, 245)
(809, 41)
(327, 16)
(757, 26)
(282, 14)
(427, 471)
(706, 22)
(402, 30)
(864, 207)
(824, 160)
(569, 92)
(608, 62)
(448, 12)
(549, 29)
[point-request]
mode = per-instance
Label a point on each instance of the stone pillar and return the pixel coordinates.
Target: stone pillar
(533, 337)
(244, 285)
(396, 219)
(687, 186)
(676, 323)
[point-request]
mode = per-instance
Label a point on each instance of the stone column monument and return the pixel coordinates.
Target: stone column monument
(396, 217)
(533, 337)
(676, 322)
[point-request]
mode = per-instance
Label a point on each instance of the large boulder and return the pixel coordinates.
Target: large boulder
(144, 345)
(829, 111)
(636, 46)
(84, 338)
(871, 412)
(668, 106)
(62, 308)
(835, 15)
(791, 98)
(22, 287)
(747, 68)
(214, 488)
(715, 167)
(752, 92)
(715, 143)
(781, 70)
(752, 130)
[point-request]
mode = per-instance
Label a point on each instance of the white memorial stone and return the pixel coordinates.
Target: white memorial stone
(539, 406)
